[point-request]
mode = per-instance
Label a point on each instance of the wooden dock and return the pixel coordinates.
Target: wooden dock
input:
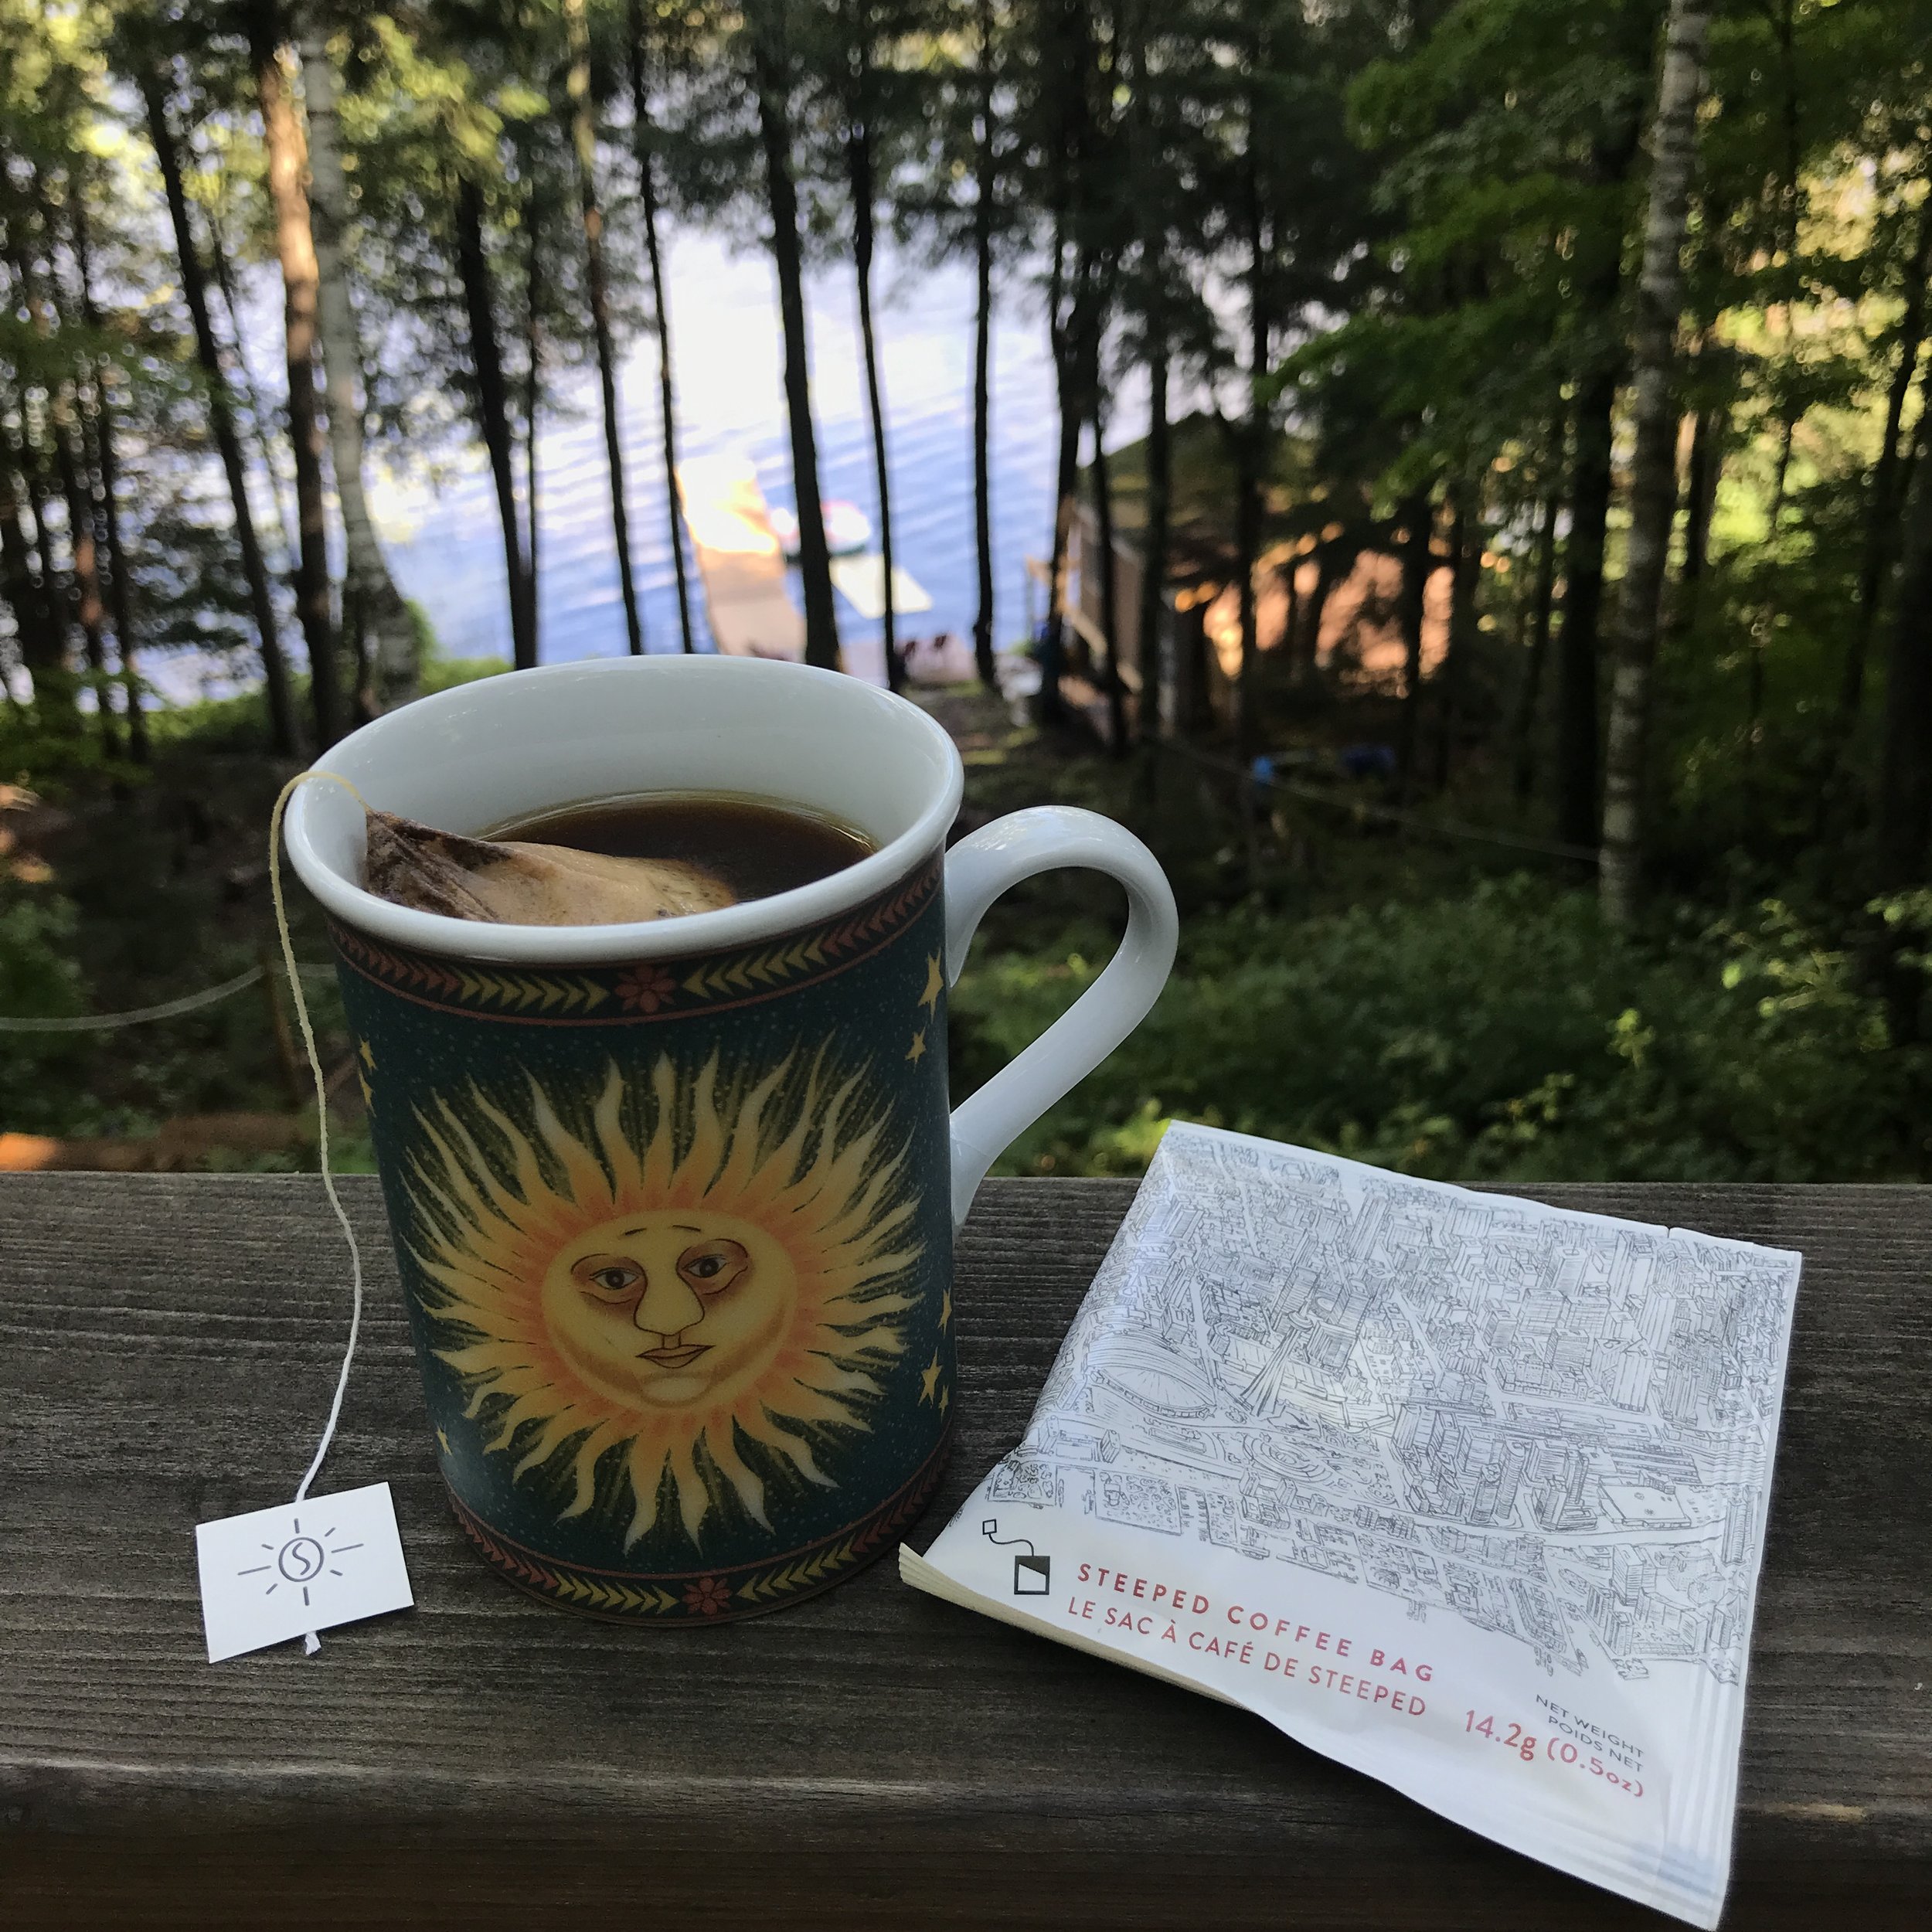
(740, 560)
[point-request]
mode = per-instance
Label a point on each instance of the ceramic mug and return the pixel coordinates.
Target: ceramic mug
(674, 1203)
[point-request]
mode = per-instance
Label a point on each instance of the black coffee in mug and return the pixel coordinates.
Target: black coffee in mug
(754, 846)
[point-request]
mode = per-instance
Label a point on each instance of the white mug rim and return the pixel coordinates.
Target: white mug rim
(349, 903)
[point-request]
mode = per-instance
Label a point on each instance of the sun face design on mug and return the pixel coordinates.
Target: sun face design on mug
(668, 1309)
(713, 1260)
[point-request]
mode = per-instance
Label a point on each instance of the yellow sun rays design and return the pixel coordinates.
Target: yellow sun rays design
(793, 1162)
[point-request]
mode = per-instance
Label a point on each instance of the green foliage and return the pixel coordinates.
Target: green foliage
(1503, 1035)
(39, 979)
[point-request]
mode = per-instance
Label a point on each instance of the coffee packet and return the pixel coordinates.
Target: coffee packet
(510, 882)
(1466, 1491)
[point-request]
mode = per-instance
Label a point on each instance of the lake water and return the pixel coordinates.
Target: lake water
(445, 543)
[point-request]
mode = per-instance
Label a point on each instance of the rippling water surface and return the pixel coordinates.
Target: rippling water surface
(445, 544)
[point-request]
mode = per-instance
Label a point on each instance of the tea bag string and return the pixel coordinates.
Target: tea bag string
(311, 1643)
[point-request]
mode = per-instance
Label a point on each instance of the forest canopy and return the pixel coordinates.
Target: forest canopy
(1580, 347)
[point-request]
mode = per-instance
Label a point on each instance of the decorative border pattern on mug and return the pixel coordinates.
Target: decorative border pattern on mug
(646, 989)
(711, 1596)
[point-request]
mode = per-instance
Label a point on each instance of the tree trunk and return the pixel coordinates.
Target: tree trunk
(1153, 542)
(242, 380)
(1465, 569)
(1881, 516)
(89, 610)
(597, 278)
(1111, 681)
(295, 248)
(1700, 499)
(1523, 730)
(859, 174)
(281, 711)
(1418, 556)
(369, 596)
(986, 188)
(36, 625)
(1250, 448)
(1660, 301)
(771, 64)
(641, 128)
(107, 466)
(1904, 814)
(532, 407)
(1332, 563)
(1577, 658)
(33, 471)
(1599, 281)
(1061, 330)
(492, 401)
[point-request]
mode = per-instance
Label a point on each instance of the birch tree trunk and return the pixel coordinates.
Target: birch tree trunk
(1660, 301)
(369, 589)
(295, 249)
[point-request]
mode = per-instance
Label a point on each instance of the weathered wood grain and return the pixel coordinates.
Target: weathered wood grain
(872, 1758)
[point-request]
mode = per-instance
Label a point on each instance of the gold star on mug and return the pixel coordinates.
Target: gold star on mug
(917, 1052)
(935, 982)
(368, 1056)
(929, 1379)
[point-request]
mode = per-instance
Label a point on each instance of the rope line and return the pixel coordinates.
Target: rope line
(140, 1016)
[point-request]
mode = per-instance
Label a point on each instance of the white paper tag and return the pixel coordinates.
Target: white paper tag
(278, 1573)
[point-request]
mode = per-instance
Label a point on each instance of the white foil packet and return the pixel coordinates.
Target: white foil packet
(1464, 1492)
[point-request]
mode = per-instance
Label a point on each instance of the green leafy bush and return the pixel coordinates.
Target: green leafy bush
(38, 980)
(1504, 1034)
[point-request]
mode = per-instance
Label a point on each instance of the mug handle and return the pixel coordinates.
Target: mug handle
(980, 868)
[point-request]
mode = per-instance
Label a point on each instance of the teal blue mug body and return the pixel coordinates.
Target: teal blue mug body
(674, 1205)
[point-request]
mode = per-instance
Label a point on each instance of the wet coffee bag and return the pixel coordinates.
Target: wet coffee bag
(512, 883)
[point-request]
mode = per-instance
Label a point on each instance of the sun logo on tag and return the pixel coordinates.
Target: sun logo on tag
(299, 1561)
(714, 1260)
